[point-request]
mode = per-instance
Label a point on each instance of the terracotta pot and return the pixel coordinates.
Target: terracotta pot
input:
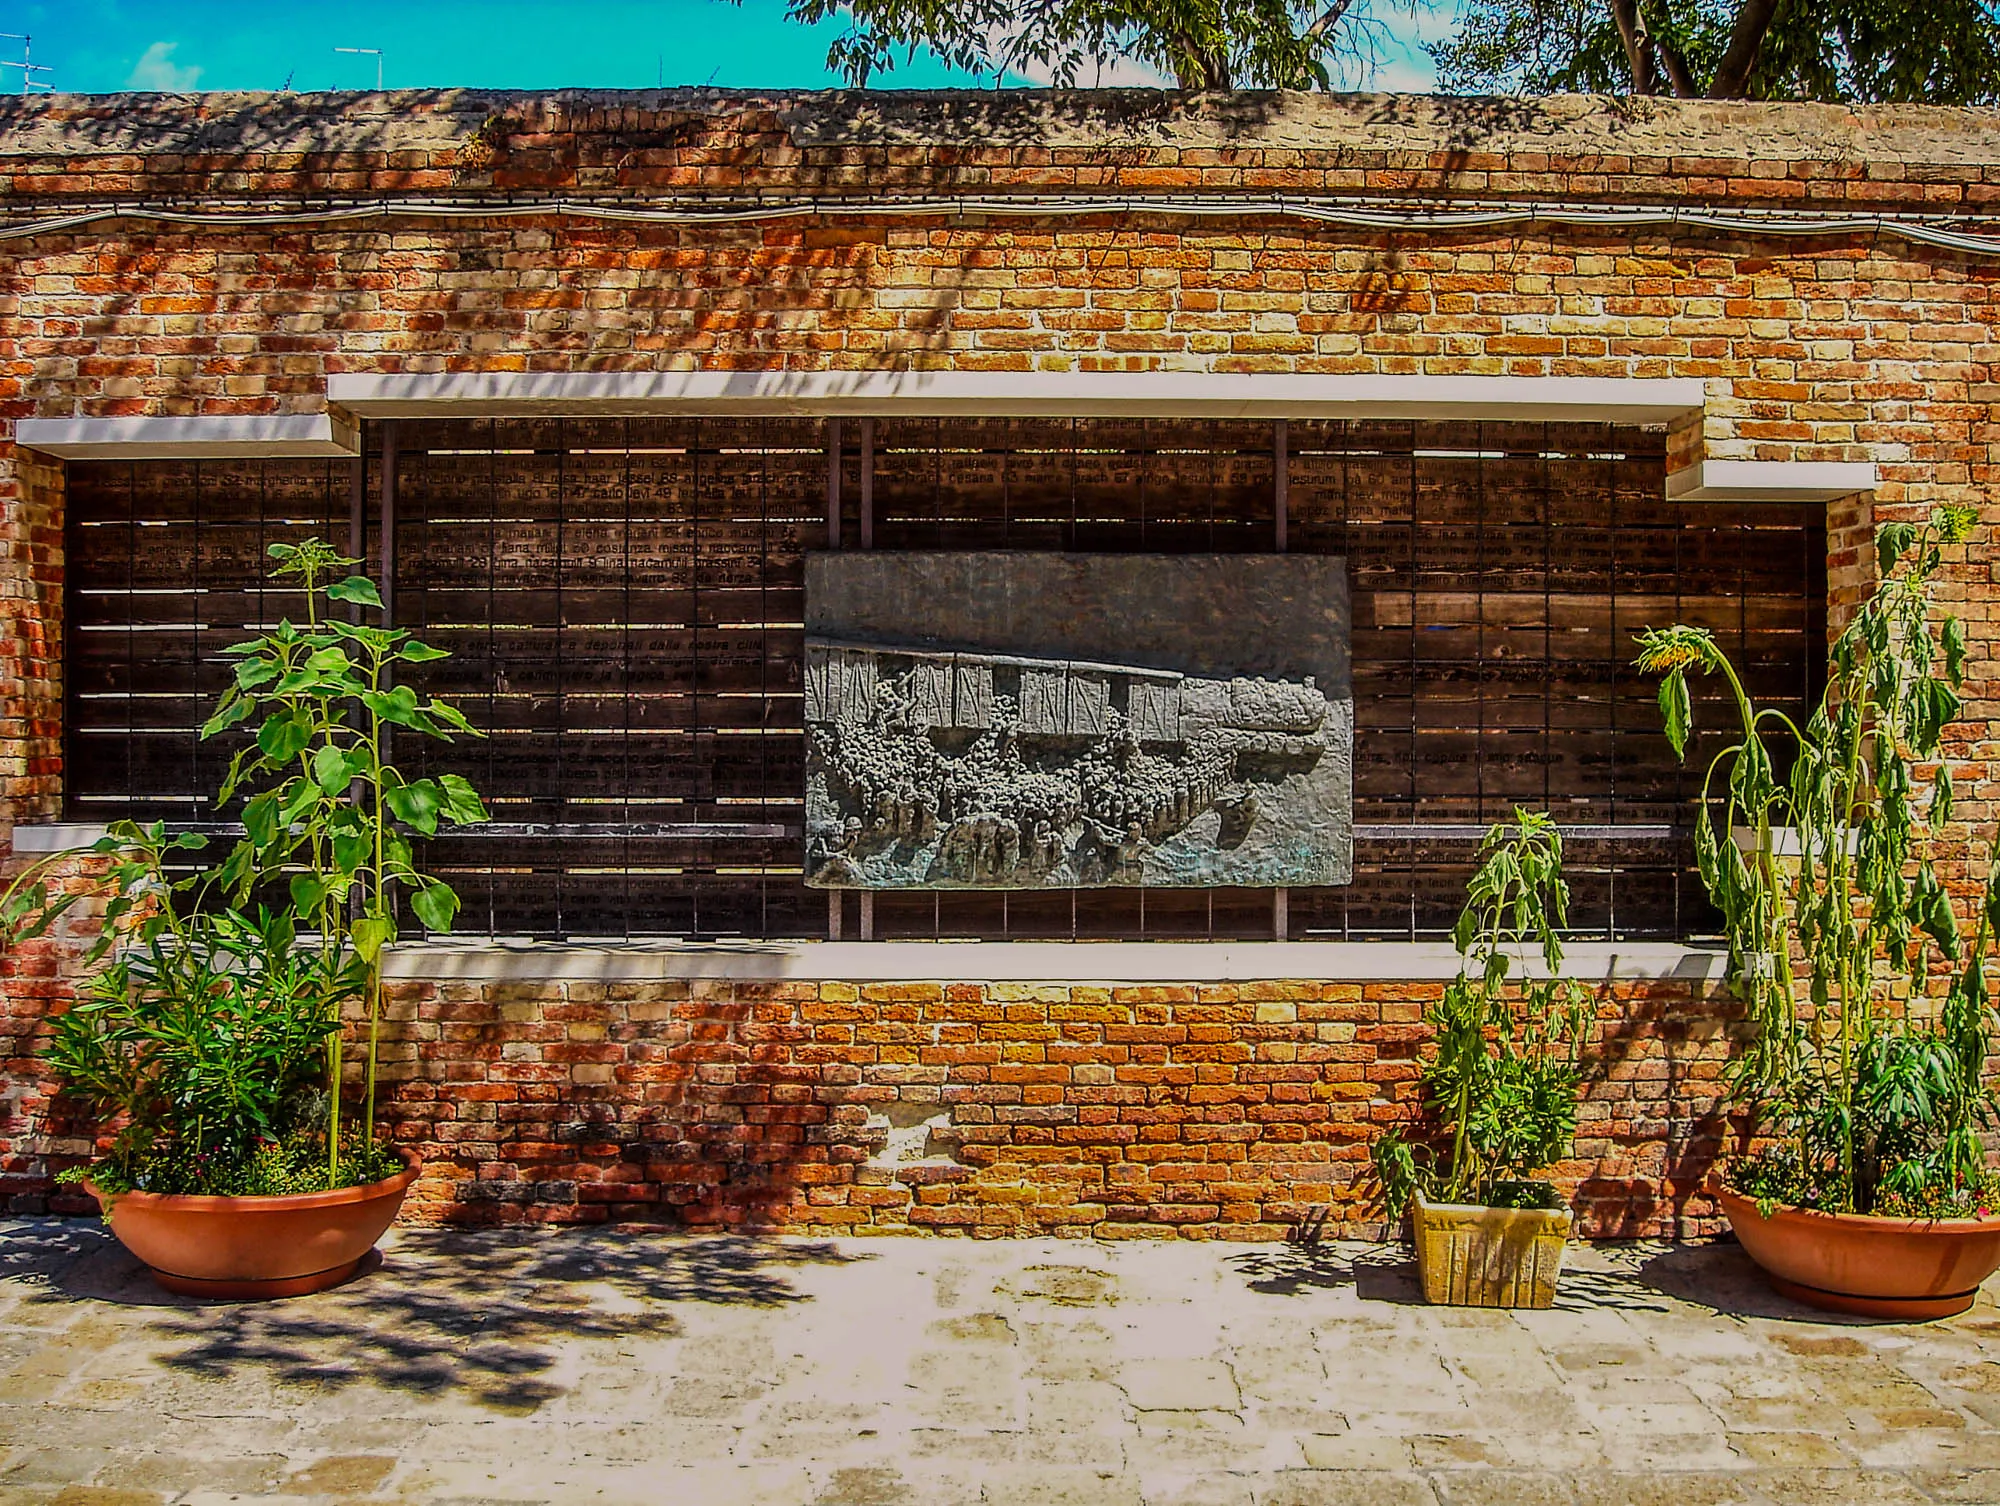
(1475, 1256)
(1912, 1269)
(252, 1247)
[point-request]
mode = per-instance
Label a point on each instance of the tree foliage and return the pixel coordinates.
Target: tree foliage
(1858, 51)
(1200, 44)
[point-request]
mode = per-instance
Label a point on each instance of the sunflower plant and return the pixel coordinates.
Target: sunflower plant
(1867, 1009)
(209, 1025)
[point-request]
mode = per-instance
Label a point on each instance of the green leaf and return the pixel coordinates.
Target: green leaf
(307, 893)
(1933, 913)
(398, 705)
(351, 850)
(436, 905)
(1678, 709)
(421, 653)
(283, 736)
(260, 818)
(462, 802)
(356, 588)
(332, 769)
(371, 933)
(233, 709)
(1892, 542)
(452, 717)
(254, 672)
(419, 804)
(1954, 651)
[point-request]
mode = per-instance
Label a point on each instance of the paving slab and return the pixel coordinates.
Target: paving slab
(607, 1366)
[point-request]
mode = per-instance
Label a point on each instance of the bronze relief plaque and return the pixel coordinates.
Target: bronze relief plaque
(1026, 720)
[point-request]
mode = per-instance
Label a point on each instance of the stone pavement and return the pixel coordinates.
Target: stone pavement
(646, 1367)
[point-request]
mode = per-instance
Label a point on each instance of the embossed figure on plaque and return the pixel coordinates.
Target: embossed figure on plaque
(1027, 720)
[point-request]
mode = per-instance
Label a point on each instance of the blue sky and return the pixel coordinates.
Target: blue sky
(98, 45)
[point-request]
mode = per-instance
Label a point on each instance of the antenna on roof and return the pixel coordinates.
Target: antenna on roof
(29, 68)
(375, 53)
(288, 82)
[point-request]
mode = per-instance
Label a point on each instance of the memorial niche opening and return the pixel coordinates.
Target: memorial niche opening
(1021, 720)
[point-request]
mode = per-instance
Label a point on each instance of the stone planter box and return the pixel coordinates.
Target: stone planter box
(1474, 1256)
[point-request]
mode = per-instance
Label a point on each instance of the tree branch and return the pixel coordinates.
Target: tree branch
(1678, 73)
(1638, 45)
(1746, 38)
(1328, 19)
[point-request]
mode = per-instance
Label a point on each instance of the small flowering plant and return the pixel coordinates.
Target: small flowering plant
(1871, 1085)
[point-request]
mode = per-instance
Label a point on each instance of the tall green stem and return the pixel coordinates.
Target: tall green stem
(381, 898)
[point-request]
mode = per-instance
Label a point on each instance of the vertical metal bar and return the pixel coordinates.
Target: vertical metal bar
(625, 677)
(357, 515)
(833, 484)
(388, 584)
(867, 483)
(203, 804)
(1281, 487)
(562, 678)
(1281, 507)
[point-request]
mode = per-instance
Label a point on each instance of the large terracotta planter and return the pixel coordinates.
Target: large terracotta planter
(1905, 1268)
(1474, 1256)
(252, 1247)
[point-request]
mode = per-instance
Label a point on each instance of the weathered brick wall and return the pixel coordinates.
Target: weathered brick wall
(1851, 344)
(1238, 1110)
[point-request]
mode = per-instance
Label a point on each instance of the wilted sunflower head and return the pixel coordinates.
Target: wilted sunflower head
(1663, 650)
(1954, 523)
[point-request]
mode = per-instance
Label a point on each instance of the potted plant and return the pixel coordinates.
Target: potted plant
(1500, 1093)
(1863, 1186)
(209, 1033)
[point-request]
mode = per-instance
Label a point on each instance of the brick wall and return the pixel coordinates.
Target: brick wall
(1235, 1110)
(1852, 344)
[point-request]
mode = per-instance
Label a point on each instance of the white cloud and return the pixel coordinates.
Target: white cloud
(157, 70)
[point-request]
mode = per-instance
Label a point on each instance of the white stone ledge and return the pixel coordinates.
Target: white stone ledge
(264, 436)
(1771, 480)
(56, 836)
(1011, 961)
(1139, 394)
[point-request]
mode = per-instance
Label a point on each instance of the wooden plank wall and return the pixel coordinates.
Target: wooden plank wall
(623, 601)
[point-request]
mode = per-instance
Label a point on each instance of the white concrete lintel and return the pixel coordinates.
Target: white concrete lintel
(1771, 480)
(1010, 961)
(475, 959)
(975, 394)
(56, 836)
(247, 436)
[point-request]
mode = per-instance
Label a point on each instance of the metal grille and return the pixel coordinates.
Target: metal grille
(623, 602)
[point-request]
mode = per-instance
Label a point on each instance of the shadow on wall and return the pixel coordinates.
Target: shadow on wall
(699, 1111)
(1670, 1046)
(480, 1314)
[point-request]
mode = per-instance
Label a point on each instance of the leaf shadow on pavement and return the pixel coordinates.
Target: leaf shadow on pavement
(1719, 1276)
(484, 1313)
(1388, 1273)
